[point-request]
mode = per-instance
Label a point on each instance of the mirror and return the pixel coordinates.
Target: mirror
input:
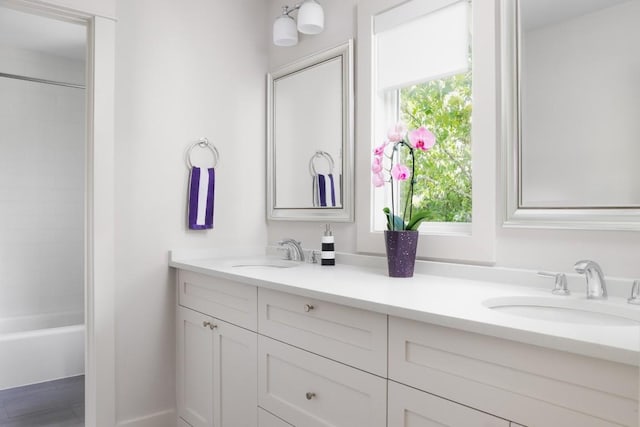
(570, 109)
(310, 138)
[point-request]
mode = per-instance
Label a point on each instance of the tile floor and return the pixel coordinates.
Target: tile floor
(57, 403)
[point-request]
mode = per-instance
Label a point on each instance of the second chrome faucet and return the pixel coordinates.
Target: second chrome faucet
(596, 285)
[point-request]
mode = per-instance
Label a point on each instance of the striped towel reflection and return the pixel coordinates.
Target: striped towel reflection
(201, 191)
(324, 193)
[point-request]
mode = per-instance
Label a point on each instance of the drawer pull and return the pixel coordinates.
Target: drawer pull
(308, 307)
(310, 395)
(209, 324)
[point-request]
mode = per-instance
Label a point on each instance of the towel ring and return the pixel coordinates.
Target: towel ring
(320, 155)
(203, 143)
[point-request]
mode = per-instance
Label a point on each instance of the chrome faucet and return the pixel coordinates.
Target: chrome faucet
(295, 249)
(596, 285)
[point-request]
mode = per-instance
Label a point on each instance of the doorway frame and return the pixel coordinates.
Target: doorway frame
(99, 249)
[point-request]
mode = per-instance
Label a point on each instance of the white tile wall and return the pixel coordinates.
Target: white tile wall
(42, 143)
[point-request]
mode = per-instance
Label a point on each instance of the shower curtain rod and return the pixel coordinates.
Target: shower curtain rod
(34, 79)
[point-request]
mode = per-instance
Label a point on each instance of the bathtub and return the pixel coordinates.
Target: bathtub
(41, 348)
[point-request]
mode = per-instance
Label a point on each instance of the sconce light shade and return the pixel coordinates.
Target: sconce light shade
(310, 18)
(284, 31)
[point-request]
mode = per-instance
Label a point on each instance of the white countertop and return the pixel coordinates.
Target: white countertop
(438, 299)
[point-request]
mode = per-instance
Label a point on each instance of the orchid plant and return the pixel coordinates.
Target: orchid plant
(387, 166)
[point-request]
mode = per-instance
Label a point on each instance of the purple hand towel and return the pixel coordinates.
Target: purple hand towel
(201, 190)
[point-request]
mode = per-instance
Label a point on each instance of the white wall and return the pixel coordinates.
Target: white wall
(617, 252)
(183, 70)
(41, 186)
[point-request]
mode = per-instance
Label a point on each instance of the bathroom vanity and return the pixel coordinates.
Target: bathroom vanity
(271, 343)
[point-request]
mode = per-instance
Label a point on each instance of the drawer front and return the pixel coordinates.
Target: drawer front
(307, 390)
(266, 419)
(349, 335)
(224, 299)
(409, 407)
(529, 385)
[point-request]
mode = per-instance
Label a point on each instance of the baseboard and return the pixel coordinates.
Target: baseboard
(159, 419)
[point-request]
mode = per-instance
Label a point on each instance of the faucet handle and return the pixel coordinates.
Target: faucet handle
(635, 293)
(286, 252)
(560, 286)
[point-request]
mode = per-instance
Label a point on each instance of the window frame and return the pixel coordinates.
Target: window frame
(468, 242)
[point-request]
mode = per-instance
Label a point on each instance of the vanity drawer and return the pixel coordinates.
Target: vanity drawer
(409, 407)
(224, 299)
(349, 335)
(267, 419)
(308, 390)
(531, 385)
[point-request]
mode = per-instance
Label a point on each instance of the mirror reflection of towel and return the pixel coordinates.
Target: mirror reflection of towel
(324, 191)
(201, 192)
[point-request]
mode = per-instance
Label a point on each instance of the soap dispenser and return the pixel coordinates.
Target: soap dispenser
(328, 253)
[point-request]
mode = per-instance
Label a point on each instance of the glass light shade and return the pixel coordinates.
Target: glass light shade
(284, 31)
(310, 18)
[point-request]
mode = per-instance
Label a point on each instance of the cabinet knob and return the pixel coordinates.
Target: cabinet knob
(310, 395)
(308, 307)
(209, 324)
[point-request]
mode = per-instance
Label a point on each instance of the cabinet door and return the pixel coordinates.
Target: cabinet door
(409, 407)
(235, 373)
(195, 343)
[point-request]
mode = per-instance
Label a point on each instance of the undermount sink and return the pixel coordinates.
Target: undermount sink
(265, 262)
(561, 309)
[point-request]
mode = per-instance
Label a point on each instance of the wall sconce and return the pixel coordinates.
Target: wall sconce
(310, 21)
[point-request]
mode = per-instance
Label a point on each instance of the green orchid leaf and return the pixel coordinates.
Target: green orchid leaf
(397, 221)
(416, 219)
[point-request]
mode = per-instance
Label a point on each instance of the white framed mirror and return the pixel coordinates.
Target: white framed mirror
(570, 106)
(310, 138)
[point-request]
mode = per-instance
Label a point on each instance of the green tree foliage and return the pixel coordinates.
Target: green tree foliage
(443, 175)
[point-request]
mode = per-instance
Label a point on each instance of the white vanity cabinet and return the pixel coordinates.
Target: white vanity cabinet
(252, 356)
(216, 360)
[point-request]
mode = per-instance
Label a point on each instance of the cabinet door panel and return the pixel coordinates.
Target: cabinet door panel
(409, 407)
(195, 370)
(235, 375)
(311, 391)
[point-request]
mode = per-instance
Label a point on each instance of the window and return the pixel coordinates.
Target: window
(416, 58)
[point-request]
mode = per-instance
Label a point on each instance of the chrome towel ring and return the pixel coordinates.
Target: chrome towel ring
(320, 155)
(203, 143)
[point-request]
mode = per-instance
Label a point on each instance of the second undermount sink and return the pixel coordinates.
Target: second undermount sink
(567, 310)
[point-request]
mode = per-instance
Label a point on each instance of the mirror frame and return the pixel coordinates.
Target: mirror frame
(515, 215)
(345, 213)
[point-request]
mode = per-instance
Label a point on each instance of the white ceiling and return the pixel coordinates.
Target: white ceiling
(42, 34)
(539, 13)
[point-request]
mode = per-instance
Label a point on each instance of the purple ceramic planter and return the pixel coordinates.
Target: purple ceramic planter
(401, 252)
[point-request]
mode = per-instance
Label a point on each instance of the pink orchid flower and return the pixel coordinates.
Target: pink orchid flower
(396, 133)
(400, 172)
(379, 150)
(377, 180)
(422, 138)
(376, 165)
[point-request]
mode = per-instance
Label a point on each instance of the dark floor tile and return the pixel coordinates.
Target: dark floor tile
(53, 418)
(17, 392)
(78, 379)
(63, 395)
(78, 410)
